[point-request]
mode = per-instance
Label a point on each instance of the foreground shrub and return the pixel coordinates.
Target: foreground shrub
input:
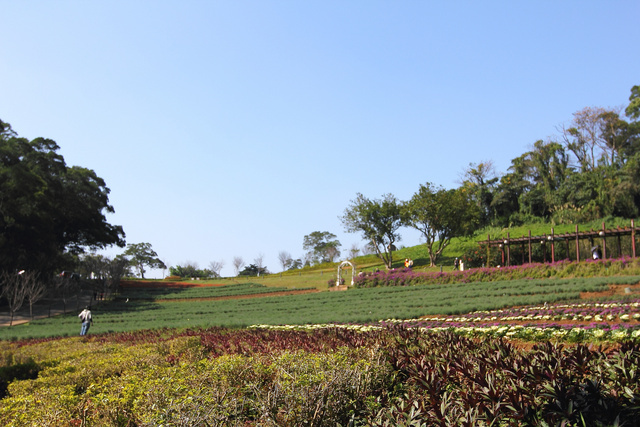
(376, 377)
(184, 379)
(452, 380)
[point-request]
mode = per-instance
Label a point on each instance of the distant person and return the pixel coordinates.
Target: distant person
(456, 264)
(408, 263)
(87, 320)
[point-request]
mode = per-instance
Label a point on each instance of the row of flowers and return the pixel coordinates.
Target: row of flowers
(542, 322)
(581, 312)
(560, 269)
(540, 332)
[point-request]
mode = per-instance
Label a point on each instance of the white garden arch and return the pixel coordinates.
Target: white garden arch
(353, 272)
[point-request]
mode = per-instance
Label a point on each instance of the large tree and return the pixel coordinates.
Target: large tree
(378, 221)
(440, 215)
(321, 246)
(47, 209)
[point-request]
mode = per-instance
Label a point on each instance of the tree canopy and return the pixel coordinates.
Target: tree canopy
(48, 210)
(141, 255)
(440, 215)
(321, 246)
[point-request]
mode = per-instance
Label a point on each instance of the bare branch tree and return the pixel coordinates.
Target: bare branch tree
(13, 291)
(259, 262)
(216, 267)
(65, 285)
(34, 289)
(238, 263)
(285, 259)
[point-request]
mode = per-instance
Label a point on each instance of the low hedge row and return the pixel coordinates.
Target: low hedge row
(560, 269)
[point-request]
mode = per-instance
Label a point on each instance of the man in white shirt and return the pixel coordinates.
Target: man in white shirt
(87, 320)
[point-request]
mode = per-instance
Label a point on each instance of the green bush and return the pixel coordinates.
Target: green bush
(175, 381)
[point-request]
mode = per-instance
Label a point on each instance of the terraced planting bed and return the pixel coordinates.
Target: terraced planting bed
(378, 357)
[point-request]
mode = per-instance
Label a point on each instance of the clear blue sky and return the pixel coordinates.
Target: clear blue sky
(235, 128)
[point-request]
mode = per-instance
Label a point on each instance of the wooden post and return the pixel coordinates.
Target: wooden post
(633, 238)
(553, 251)
(508, 250)
(488, 251)
(577, 245)
(529, 246)
(604, 242)
(619, 246)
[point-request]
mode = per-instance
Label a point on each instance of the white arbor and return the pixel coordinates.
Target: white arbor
(353, 272)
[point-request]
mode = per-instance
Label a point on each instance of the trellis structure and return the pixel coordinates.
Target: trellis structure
(567, 239)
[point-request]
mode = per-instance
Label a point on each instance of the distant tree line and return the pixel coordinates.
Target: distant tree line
(52, 216)
(590, 170)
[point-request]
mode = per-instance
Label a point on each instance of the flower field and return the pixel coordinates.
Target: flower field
(565, 361)
(614, 321)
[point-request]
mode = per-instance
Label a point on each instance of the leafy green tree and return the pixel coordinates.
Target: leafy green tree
(295, 264)
(378, 221)
(440, 215)
(506, 199)
(480, 180)
(321, 246)
(253, 270)
(48, 211)
(191, 270)
(141, 255)
(633, 109)
(545, 169)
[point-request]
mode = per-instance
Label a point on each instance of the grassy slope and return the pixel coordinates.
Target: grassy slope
(318, 276)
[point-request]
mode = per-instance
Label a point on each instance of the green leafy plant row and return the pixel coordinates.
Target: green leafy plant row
(450, 380)
(186, 292)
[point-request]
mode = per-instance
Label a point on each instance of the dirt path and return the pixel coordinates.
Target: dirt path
(614, 290)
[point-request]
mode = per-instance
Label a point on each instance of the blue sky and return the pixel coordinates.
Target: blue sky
(235, 128)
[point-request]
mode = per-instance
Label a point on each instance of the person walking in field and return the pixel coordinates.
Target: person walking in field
(87, 320)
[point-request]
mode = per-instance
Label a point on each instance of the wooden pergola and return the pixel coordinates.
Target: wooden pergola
(567, 239)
